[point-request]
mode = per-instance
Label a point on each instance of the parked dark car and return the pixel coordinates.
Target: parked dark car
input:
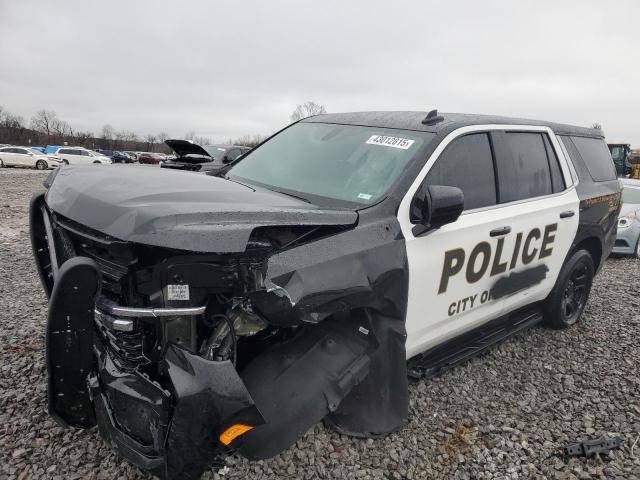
(207, 158)
(116, 156)
(149, 158)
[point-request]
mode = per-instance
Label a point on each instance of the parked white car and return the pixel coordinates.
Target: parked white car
(79, 155)
(26, 157)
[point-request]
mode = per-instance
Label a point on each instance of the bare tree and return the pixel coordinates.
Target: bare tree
(130, 137)
(162, 136)
(118, 143)
(12, 128)
(85, 139)
(150, 140)
(107, 136)
(307, 109)
(60, 129)
(42, 122)
(202, 140)
(248, 140)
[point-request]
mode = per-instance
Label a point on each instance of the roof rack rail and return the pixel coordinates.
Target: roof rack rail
(432, 118)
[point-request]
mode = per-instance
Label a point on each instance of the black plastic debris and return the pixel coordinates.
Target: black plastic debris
(589, 448)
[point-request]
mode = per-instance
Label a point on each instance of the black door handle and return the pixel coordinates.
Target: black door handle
(567, 214)
(497, 232)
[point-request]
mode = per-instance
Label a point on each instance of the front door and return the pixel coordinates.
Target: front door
(450, 269)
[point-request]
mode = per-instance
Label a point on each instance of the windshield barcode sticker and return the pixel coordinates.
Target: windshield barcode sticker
(395, 142)
(178, 292)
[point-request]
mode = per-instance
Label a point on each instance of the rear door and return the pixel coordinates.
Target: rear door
(19, 156)
(540, 209)
(25, 157)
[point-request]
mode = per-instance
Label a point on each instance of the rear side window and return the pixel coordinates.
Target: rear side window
(467, 164)
(557, 180)
(596, 157)
(523, 166)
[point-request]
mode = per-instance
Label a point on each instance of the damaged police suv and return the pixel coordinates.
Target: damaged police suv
(193, 316)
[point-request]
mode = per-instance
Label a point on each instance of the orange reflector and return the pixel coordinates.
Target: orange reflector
(234, 431)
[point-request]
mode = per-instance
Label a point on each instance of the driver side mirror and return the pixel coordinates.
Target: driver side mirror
(434, 206)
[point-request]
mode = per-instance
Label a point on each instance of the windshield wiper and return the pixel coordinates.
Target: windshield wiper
(291, 195)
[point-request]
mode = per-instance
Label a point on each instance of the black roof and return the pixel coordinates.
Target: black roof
(452, 121)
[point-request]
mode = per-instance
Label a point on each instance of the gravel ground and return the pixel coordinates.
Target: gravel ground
(505, 415)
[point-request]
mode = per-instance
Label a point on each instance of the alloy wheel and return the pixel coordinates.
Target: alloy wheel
(575, 293)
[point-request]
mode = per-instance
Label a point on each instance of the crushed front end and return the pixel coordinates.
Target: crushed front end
(181, 357)
(156, 374)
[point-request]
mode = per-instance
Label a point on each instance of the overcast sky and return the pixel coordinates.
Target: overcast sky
(228, 68)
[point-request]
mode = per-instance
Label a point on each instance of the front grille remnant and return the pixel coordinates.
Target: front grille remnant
(126, 346)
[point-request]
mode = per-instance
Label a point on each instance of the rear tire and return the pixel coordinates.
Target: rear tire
(66, 162)
(565, 304)
(41, 165)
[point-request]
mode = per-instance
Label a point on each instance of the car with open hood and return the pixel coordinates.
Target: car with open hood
(192, 316)
(205, 159)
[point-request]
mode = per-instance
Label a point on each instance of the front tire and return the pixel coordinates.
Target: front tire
(1, 163)
(41, 165)
(567, 300)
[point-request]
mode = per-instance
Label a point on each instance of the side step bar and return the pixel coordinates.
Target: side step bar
(460, 349)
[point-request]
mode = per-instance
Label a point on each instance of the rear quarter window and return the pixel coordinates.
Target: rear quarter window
(596, 157)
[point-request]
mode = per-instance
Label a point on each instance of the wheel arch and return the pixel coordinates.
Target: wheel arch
(593, 245)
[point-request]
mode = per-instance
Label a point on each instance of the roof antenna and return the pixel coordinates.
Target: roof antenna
(432, 118)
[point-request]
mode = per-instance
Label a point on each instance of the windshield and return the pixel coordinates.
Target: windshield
(215, 151)
(631, 195)
(342, 162)
(618, 153)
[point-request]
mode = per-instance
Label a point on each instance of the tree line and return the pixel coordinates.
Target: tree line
(46, 128)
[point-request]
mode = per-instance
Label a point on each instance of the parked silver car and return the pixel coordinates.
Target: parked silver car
(627, 241)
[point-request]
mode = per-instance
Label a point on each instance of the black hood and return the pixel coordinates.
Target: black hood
(177, 209)
(186, 147)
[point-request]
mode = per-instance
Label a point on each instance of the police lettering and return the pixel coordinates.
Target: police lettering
(526, 248)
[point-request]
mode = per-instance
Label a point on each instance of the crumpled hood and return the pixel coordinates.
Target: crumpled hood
(176, 209)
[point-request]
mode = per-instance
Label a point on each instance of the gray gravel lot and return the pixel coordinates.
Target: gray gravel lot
(505, 415)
